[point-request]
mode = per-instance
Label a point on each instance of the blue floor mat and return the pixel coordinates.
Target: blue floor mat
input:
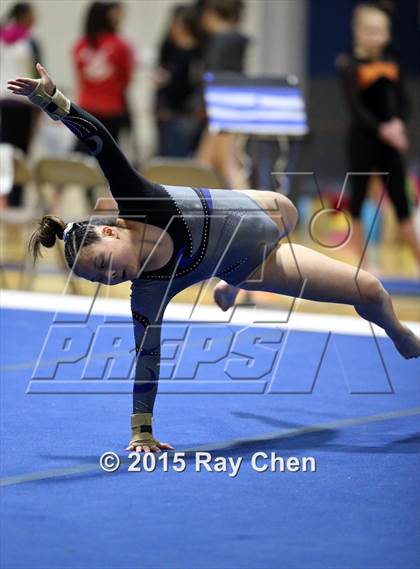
(402, 287)
(359, 509)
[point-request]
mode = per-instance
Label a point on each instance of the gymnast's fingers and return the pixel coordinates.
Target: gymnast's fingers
(14, 82)
(44, 73)
(166, 446)
(25, 80)
(20, 87)
(17, 90)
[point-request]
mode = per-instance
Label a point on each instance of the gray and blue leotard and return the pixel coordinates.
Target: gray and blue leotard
(217, 233)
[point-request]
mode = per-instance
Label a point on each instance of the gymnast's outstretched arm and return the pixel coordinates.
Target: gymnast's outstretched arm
(148, 302)
(125, 182)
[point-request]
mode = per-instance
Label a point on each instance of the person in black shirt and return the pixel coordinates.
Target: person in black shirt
(225, 45)
(374, 90)
(180, 120)
(225, 50)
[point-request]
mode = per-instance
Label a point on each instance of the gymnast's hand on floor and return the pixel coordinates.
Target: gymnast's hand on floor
(148, 446)
(25, 85)
(142, 439)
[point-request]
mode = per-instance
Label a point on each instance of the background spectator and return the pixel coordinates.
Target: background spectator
(374, 89)
(104, 65)
(178, 104)
(225, 48)
(19, 52)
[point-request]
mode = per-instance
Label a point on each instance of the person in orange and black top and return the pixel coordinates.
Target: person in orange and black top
(375, 93)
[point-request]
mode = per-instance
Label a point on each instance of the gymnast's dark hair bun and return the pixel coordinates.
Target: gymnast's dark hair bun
(50, 227)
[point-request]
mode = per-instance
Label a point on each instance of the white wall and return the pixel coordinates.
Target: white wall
(283, 23)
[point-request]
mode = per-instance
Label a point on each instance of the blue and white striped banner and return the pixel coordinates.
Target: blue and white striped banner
(248, 106)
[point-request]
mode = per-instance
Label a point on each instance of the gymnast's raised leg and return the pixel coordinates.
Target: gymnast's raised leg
(297, 271)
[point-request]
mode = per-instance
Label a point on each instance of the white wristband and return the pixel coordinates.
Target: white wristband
(57, 106)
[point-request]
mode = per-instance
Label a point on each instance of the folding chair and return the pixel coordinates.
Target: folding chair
(75, 170)
(22, 217)
(181, 172)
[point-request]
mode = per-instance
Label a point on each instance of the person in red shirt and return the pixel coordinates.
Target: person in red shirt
(104, 64)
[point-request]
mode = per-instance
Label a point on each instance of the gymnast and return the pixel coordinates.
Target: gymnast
(166, 238)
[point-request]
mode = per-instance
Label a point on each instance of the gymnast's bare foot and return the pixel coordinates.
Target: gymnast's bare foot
(224, 295)
(407, 343)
